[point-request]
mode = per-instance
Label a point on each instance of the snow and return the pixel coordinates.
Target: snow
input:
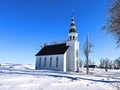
(24, 77)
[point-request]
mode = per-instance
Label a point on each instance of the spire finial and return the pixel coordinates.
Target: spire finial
(72, 12)
(72, 25)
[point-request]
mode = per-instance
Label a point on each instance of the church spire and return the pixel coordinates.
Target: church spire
(72, 35)
(72, 25)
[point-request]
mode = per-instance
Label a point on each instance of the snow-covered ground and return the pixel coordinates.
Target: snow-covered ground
(24, 77)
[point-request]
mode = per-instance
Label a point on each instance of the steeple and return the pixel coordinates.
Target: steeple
(72, 25)
(73, 43)
(72, 35)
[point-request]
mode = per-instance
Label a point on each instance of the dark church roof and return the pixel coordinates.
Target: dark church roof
(53, 49)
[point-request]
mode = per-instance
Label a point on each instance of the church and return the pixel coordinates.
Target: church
(62, 57)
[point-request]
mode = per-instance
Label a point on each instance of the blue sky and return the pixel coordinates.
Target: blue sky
(25, 25)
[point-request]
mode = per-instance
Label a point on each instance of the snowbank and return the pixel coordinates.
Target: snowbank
(24, 77)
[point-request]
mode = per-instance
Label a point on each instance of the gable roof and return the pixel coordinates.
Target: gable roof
(53, 49)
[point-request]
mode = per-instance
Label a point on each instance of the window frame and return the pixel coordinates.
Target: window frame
(40, 61)
(57, 59)
(45, 62)
(50, 61)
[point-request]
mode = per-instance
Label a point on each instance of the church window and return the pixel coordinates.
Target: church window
(50, 61)
(70, 37)
(45, 62)
(56, 61)
(40, 61)
(73, 37)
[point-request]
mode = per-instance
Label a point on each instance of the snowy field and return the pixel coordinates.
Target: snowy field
(24, 77)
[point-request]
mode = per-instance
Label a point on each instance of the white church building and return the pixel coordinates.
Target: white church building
(63, 57)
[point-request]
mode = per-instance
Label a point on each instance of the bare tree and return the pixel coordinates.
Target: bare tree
(87, 50)
(101, 63)
(113, 21)
(45, 44)
(110, 65)
(106, 64)
(117, 63)
(55, 42)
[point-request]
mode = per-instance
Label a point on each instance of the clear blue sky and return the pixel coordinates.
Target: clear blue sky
(27, 24)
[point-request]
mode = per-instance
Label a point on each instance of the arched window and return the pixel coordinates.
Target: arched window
(73, 37)
(57, 61)
(50, 61)
(45, 62)
(40, 61)
(70, 37)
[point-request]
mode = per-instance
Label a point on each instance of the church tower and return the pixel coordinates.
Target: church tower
(73, 43)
